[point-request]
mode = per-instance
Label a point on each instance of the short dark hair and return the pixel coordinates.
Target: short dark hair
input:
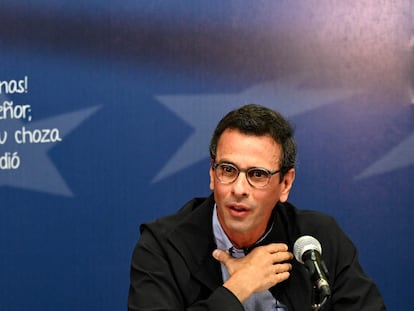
(258, 120)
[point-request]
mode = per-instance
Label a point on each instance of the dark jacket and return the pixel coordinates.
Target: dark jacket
(173, 269)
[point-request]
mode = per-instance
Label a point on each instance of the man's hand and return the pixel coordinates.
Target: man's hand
(264, 267)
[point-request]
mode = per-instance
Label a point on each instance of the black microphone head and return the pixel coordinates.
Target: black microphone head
(304, 244)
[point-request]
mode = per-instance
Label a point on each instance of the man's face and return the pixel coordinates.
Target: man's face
(243, 210)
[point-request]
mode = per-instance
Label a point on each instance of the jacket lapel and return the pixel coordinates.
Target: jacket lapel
(291, 292)
(194, 239)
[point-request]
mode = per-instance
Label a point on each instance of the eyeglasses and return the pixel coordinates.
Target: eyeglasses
(257, 177)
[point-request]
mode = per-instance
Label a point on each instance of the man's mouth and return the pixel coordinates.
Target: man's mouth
(238, 211)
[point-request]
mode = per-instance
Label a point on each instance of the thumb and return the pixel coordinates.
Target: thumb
(221, 255)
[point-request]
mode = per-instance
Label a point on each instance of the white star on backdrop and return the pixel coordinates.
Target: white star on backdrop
(202, 113)
(399, 157)
(37, 172)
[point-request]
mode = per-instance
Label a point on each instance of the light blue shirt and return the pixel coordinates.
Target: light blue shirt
(261, 301)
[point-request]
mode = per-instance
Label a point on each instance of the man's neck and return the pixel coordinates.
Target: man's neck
(244, 240)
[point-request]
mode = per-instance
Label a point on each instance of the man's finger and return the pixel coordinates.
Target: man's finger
(276, 247)
(221, 255)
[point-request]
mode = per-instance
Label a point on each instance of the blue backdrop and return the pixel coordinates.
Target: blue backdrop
(106, 110)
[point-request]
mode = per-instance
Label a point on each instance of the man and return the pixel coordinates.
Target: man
(233, 250)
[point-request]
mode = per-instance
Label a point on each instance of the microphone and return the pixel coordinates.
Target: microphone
(308, 250)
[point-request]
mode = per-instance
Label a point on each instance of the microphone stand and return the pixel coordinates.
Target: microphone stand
(318, 300)
(320, 293)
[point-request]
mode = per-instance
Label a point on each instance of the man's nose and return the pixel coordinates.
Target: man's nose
(241, 186)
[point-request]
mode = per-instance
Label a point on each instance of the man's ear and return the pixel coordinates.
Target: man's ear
(212, 176)
(287, 183)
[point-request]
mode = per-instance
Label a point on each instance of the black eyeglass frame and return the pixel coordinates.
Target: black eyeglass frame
(246, 172)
